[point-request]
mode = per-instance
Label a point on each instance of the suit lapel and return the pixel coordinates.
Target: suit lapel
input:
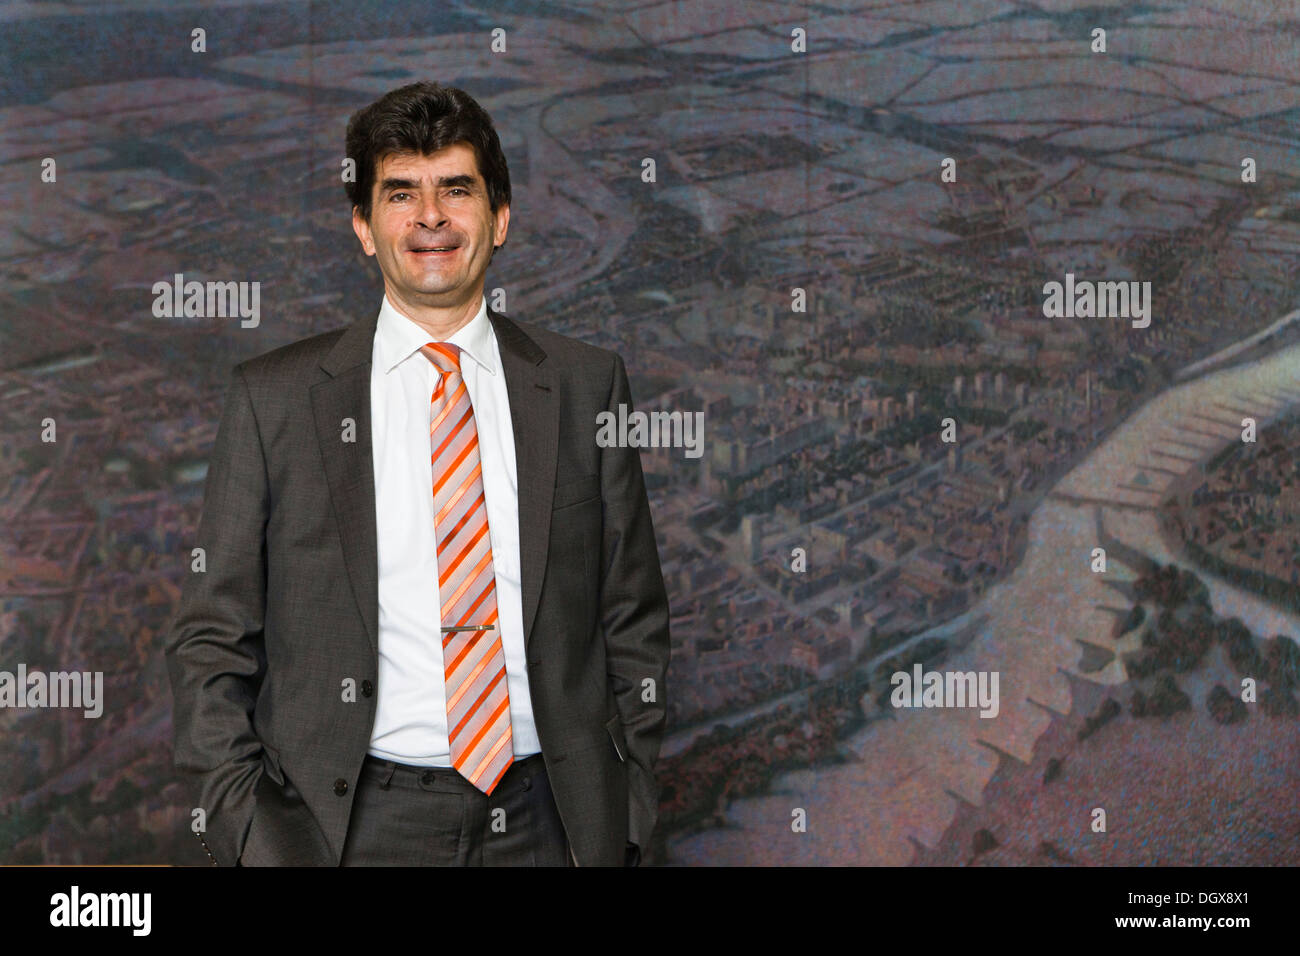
(349, 466)
(535, 420)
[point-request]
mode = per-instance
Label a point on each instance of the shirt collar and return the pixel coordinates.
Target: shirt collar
(397, 338)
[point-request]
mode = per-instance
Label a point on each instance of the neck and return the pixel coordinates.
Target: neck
(440, 322)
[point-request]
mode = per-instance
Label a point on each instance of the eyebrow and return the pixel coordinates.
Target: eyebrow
(391, 183)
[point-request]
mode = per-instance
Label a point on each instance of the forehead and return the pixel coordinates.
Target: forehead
(454, 160)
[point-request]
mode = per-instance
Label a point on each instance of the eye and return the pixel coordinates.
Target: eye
(460, 189)
(395, 195)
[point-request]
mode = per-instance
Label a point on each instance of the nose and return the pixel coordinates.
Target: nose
(429, 215)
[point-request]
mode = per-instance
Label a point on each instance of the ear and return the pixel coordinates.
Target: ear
(502, 224)
(362, 229)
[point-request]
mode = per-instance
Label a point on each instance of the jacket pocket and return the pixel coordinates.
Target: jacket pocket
(576, 492)
(615, 727)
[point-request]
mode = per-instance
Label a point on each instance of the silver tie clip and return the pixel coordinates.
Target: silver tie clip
(469, 627)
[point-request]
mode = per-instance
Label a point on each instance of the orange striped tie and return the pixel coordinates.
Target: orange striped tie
(478, 706)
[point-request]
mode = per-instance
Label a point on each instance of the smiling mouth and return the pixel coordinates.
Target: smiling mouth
(434, 250)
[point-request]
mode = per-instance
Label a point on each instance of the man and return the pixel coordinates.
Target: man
(429, 625)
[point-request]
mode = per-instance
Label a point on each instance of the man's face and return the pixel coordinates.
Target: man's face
(421, 202)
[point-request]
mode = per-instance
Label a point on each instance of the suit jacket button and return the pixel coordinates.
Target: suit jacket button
(367, 688)
(340, 786)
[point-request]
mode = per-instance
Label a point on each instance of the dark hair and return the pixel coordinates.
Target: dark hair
(424, 118)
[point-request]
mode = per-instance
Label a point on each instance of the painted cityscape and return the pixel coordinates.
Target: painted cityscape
(841, 256)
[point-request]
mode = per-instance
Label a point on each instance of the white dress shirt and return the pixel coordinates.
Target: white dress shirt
(411, 710)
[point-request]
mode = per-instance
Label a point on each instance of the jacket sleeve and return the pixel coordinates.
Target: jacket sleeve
(634, 616)
(214, 650)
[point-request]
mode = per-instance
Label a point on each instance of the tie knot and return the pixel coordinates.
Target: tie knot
(444, 355)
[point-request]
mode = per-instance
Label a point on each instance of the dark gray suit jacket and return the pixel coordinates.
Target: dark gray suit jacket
(286, 611)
